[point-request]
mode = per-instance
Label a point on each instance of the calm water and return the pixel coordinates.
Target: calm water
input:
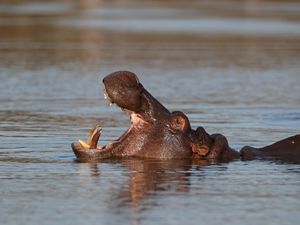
(231, 66)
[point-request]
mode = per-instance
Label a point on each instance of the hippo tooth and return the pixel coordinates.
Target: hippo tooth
(107, 98)
(83, 144)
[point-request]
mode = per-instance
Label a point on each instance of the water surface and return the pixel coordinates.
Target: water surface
(232, 67)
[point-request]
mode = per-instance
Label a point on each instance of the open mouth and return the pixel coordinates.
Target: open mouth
(123, 89)
(95, 133)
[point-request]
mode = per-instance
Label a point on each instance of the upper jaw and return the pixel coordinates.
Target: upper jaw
(135, 117)
(124, 89)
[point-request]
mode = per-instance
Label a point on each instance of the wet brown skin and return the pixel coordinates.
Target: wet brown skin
(157, 133)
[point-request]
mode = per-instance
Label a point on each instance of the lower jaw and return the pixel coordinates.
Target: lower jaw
(91, 149)
(136, 121)
(110, 145)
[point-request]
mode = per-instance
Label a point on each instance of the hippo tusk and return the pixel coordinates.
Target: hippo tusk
(83, 144)
(93, 138)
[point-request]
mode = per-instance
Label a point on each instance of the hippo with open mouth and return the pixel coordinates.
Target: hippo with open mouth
(157, 133)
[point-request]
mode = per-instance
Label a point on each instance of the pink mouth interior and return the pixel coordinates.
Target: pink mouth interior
(136, 121)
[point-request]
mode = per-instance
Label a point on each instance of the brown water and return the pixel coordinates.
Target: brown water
(231, 66)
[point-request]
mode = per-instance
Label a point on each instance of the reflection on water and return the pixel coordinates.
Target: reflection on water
(231, 66)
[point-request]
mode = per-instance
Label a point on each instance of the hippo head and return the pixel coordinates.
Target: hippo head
(154, 131)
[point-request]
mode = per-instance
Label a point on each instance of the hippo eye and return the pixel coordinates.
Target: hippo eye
(179, 122)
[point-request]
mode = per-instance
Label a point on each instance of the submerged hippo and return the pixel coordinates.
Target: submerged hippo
(157, 133)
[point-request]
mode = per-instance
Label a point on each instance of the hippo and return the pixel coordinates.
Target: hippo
(157, 133)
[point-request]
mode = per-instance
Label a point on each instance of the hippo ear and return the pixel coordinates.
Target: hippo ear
(179, 122)
(201, 150)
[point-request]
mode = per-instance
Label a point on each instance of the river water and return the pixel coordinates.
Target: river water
(231, 66)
